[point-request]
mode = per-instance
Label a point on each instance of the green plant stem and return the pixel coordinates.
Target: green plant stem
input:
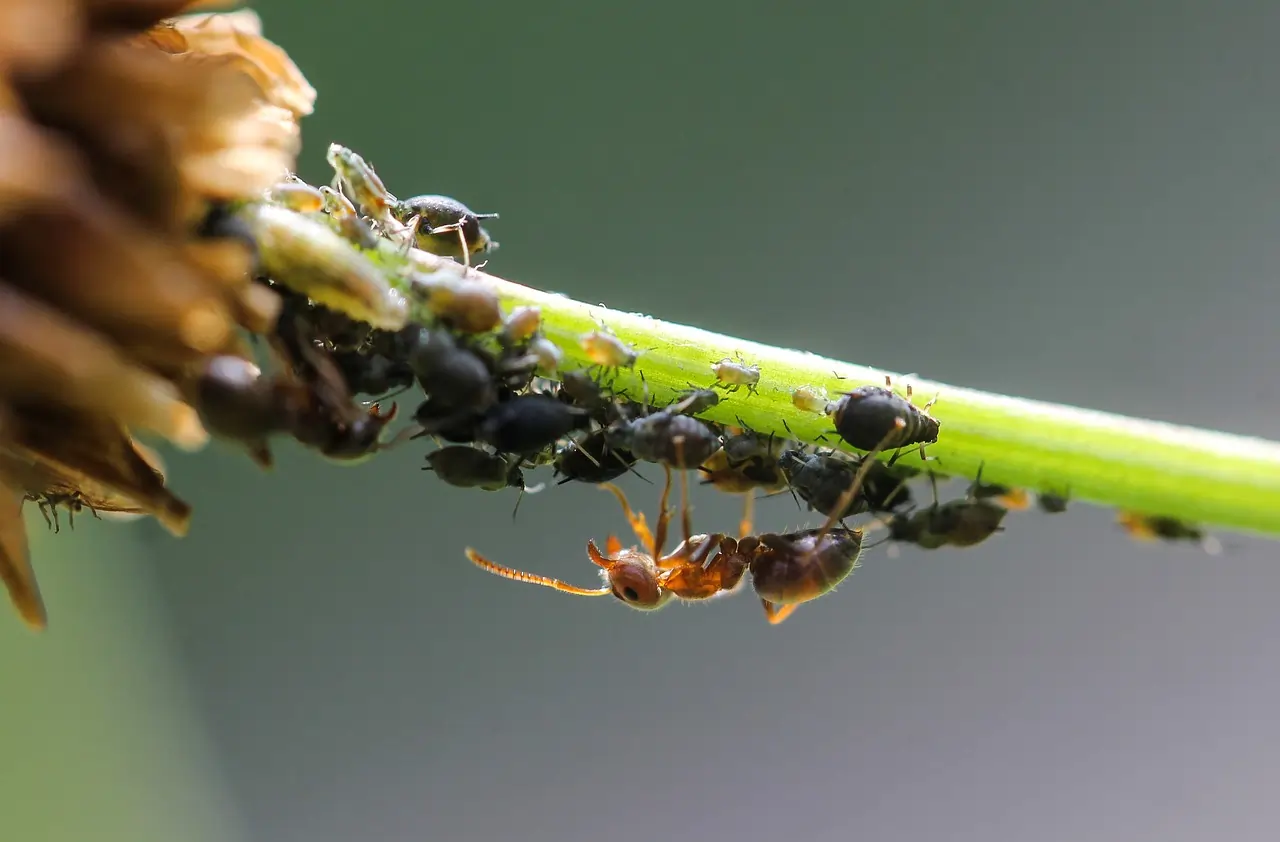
(1200, 476)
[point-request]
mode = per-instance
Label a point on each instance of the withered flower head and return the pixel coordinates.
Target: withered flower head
(120, 126)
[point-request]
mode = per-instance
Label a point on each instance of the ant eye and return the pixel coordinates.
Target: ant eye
(635, 584)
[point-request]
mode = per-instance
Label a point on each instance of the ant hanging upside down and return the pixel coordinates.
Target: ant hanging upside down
(786, 570)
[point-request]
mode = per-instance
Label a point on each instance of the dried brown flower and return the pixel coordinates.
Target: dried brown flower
(120, 125)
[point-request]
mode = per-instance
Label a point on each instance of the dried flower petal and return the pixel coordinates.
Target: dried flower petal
(122, 131)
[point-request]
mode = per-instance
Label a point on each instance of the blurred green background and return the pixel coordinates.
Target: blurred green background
(1073, 202)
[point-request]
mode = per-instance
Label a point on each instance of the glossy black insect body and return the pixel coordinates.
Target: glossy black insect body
(958, 523)
(529, 423)
(820, 480)
(458, 380)
(1051, 503)
(373, 374)
(446, 226)
(868, 414)
(667, 438)
(592, 460)
(470, 467)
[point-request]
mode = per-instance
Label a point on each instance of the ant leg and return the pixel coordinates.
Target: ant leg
(533, 578)
(744, 525)
(775, 613)
(639, 525)
(854, 487)
(686, 518)
(44, 511)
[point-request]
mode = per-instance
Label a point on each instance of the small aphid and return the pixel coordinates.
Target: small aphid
(373, 374)
(743, 476)
(958, 523)
(1144, 527)
(867, 414)
(580, 389)
(695, 402)
(786, 570)
(733, 375)
(549, 355)
(592, 460)
(457, 379)
(885, 489)
(810, 399)
(742, 445)
(470, 467)
(530, 422)
(445, 227)
(366, 188)
(237, 403)
(345, 219)
(1015, 499)
(1053, 504)
(821, 479)
(466, 306)
(322, 411)
(605, 349)
(297, 196)
(679, 441)
(521, 325)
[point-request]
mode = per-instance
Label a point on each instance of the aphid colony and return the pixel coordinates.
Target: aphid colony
(497, 403)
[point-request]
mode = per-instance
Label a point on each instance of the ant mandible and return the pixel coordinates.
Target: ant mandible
(787, 570)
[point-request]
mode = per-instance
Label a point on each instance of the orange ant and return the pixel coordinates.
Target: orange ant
(787, 570)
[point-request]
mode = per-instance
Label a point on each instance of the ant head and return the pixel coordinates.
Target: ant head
(634, 580)
(632, 577)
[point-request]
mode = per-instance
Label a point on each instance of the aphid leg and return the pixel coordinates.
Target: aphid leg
(854, 487)
(409, 231)
(44, 512)
(776, 613)
(533, 578)
(462, 240)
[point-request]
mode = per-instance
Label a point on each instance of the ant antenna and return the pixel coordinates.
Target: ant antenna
(531, 578)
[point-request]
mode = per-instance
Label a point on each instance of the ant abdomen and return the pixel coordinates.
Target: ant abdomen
(800, 566)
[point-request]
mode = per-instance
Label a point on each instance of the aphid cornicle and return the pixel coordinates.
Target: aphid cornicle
(867, 414)
(786, 570)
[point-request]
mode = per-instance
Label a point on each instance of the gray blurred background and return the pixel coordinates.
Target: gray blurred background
(1074, 202)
